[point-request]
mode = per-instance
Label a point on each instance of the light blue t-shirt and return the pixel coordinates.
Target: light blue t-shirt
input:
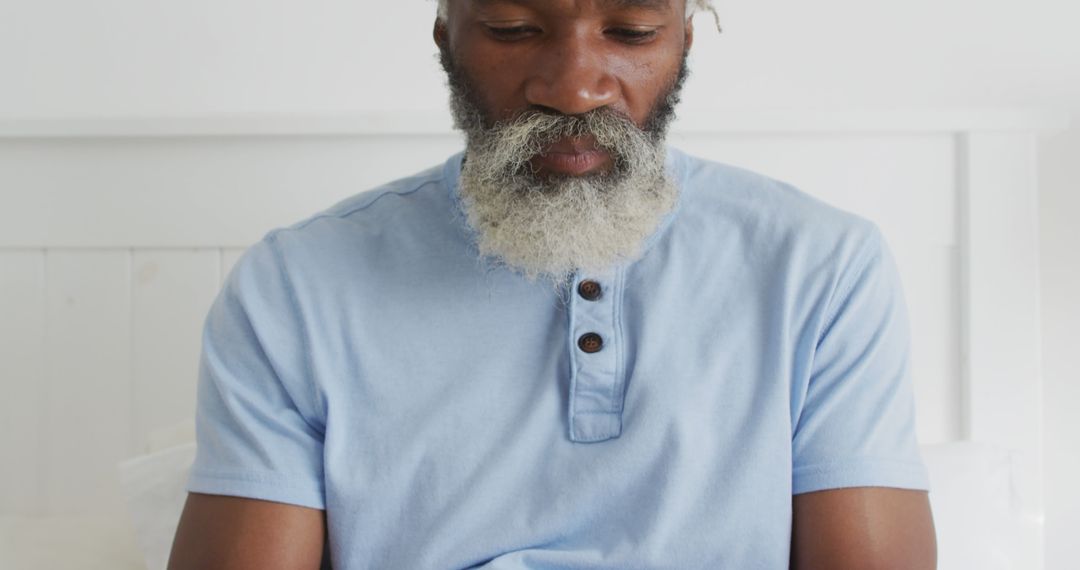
(441, 410)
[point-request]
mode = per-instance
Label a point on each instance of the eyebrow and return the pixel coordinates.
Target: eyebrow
(654, 5)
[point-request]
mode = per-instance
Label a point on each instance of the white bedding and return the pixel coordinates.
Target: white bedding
(977, 511)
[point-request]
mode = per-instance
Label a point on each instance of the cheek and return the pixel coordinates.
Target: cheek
(644, 81)
(497, 80)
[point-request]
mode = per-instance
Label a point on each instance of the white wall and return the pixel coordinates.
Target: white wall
(1059, 206)
(65, 58)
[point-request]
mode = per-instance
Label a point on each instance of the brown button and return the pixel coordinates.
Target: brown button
(590, 342)
(589, 290)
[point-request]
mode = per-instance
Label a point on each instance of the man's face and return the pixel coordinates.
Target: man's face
(568, 57)
(565, 105)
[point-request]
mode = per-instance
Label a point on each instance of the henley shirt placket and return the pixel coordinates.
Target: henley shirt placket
(596, 391)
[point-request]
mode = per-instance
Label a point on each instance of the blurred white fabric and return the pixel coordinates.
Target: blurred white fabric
(977, 511)
(154, 487)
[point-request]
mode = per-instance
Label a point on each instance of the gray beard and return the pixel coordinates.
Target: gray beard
(549, 227)
(555, 227)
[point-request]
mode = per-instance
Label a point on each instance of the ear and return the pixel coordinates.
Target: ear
(439, 33)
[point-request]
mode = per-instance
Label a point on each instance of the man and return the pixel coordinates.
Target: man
(568, 347)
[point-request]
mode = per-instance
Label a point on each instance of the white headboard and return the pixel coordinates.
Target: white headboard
(115, 236)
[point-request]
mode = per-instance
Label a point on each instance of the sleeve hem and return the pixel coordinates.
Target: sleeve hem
(266, 489)
(876, 473)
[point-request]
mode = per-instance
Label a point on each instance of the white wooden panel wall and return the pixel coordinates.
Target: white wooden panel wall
(22, 373)
(1001, 311)
(169, 288)
(87, 388)
(189, 192)
(113, 247)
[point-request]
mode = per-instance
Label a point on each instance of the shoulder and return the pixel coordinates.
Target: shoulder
(771, 217)
(384, 216)
(392, 223)
(372, 205)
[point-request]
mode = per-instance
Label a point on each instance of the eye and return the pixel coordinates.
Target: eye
(633, 35)
(511, 33)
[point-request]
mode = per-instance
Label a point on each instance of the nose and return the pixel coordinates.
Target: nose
(572, 77)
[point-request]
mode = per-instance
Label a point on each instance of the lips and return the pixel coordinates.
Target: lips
(574, 156)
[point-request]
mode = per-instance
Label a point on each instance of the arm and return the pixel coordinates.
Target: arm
(865, 528)
(256, 485)
(859, 485)
(235, 533)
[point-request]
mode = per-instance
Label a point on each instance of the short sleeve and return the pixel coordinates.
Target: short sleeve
(857, 423)
(259, 427)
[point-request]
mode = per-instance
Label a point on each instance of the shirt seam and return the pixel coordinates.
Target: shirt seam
(277, 480)
(571, 346)
(309, 369)
(855, 464)
(838, 301)
(618, 386)
(386, 192)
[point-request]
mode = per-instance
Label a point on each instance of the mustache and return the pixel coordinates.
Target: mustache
(467, 108)
(511, 145)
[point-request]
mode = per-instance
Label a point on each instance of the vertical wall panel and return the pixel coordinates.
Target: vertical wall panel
(22, 345)
(87, 370)
(1001, 312)
(171, 294)
(931, 288)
